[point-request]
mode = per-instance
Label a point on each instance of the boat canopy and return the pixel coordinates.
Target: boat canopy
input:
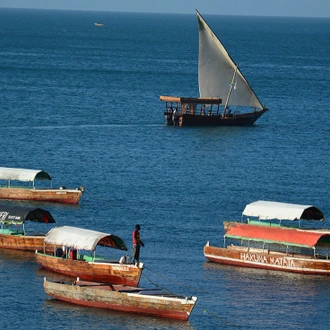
(82, 239)
(19, 214)
(22, 174)
(265, 210)
(280, 235)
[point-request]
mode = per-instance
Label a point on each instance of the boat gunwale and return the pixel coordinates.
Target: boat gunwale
(170, 307)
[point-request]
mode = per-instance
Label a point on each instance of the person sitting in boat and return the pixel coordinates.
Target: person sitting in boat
(60, 252)
(228, 112)
(137, 243)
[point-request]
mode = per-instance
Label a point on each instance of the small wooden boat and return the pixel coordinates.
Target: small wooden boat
(219, 80)
(295, 250)
(79, 258)
(13, 234)
(25, 188)
(122, 298)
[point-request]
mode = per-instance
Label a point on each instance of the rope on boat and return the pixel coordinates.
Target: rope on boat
(97, 197)
(150, 280)
(174, 281)
(165, 289)
(221, 319)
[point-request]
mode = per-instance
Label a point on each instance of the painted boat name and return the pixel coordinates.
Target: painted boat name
(271, 260)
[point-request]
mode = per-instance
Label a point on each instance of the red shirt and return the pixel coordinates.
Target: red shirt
(136, 237)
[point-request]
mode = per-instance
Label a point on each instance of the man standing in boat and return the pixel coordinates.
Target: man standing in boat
(136, 244)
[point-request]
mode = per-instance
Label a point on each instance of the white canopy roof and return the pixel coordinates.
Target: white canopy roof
(82, 239)
(265, 210)
(21, 174)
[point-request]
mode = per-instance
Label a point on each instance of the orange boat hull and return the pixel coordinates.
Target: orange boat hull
(105, 272)
(68, 196)
(21, 242)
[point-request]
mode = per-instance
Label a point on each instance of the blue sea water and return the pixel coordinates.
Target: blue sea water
(82, 103)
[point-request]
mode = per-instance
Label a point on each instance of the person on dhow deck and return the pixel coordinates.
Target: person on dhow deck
(136, 244)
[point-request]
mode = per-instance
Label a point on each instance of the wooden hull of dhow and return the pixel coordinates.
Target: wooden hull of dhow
(120, 298)
(21, 242)
(97, 271)
(67, 196)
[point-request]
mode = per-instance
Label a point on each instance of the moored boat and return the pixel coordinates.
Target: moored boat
(273, 248)
(220, 80)
(25, 188)
(158, 303)
(276, 236)
(13, 234)
(79, 257)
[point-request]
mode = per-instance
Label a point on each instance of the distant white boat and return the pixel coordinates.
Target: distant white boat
(98, 24)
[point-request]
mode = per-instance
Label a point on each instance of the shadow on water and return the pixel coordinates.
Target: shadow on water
(38, 204)
(17, 255)
(42, 272)
(247, 277)
(116, 320)
(240, 289)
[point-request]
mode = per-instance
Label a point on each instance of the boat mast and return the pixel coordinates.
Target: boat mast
(229, 92)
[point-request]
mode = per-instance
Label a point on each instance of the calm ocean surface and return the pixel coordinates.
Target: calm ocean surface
(82, 103)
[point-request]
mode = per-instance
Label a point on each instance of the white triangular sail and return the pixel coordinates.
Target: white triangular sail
(216, 69)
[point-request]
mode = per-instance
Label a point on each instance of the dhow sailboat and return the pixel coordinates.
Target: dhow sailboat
(226, 98)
